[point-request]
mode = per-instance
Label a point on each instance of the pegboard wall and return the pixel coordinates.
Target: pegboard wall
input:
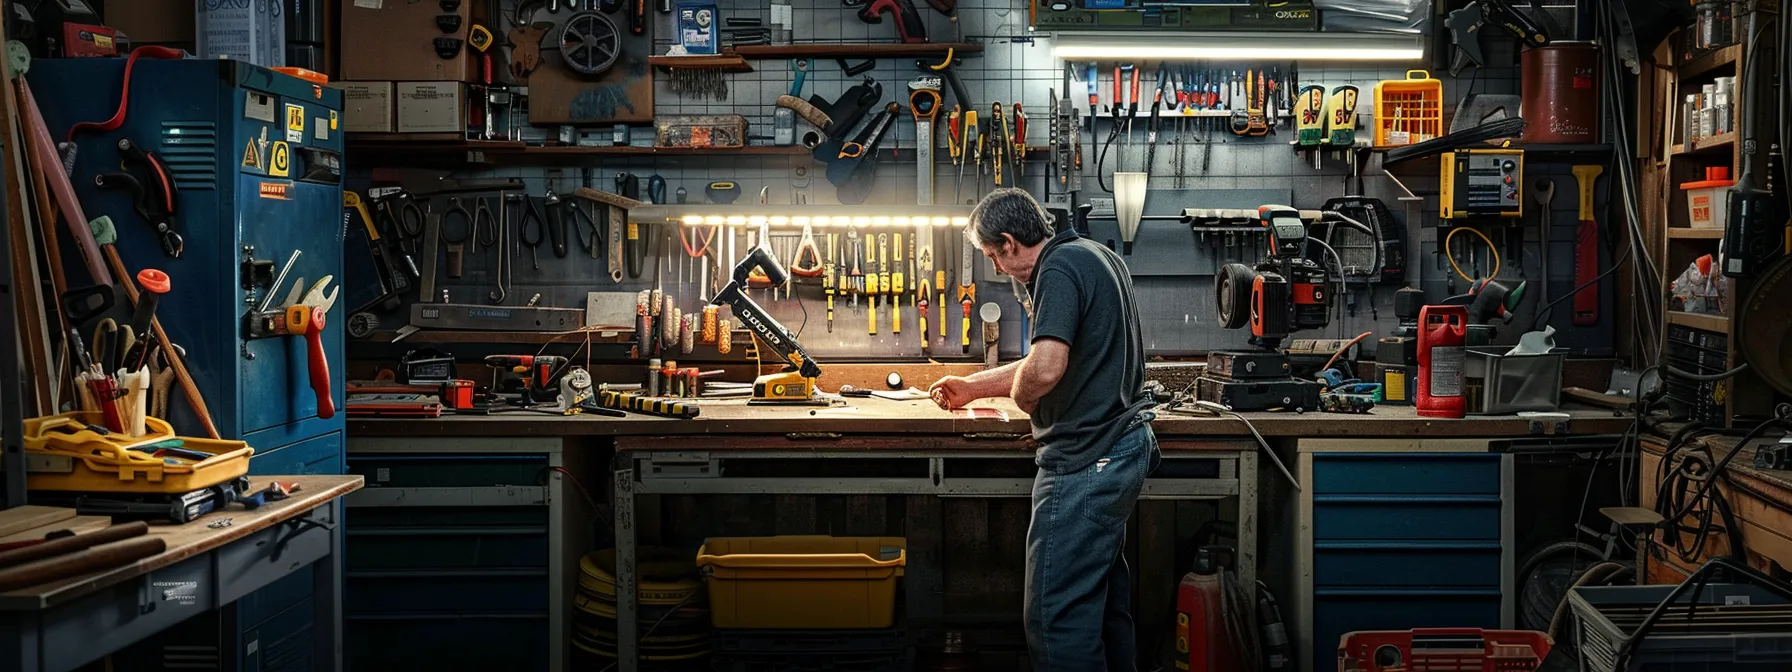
(1173, 280)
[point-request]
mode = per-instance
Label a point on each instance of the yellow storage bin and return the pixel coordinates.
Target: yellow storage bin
(803, 582)
(64, 454)
(1408, 111)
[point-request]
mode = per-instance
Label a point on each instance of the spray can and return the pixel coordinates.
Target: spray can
(1443, 333)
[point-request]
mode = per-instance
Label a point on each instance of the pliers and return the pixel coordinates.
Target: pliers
(152, 193)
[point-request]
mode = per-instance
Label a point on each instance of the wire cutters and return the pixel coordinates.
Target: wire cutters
(593, 244)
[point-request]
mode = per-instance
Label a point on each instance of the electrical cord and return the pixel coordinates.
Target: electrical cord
(1223, 410)
(1544, 312)
(1490, 248)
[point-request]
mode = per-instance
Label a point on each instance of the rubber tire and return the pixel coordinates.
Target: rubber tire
(1232, 295)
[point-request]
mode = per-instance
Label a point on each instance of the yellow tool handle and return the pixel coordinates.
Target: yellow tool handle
(942, 305)
(871, 328)
(964, 337)
(896, 316)
(1588, 178)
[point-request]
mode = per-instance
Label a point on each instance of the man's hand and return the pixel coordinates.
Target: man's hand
(952, 392)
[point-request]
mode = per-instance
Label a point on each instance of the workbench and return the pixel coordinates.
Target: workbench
(914, 450)
(66, 624)
(1761, 500)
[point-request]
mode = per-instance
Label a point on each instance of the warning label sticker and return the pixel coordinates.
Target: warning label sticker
(280, 163)
(295, 123)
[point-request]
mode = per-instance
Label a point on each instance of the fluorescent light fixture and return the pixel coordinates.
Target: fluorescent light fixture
(803, 220)
(942, 221)
(861, 222)
(737, 220)
(1236, 47)
(819, 221)
(693, 220)
(779, 220)
(713, 220)
(880, 220)
(961, 221)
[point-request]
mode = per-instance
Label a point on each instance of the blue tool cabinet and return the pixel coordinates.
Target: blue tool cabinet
(208, 120)
(1400, 534)
(255, 159)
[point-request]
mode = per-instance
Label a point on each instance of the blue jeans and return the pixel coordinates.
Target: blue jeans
(1078, 593)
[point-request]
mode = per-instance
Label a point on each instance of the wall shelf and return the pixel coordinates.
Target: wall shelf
(858, 50)
(1683, 233)
(1708, 61)
(1708, 144)
(723, 62)
(412, 149)
(1717, 323)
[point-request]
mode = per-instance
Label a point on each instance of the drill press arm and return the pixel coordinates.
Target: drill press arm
(769, 331)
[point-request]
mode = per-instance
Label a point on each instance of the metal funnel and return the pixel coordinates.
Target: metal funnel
(1129, 205)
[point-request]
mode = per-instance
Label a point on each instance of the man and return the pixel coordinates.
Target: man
(1083, 384)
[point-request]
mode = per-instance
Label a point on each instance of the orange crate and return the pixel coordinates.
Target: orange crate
(1409, 110)
(1442, 650)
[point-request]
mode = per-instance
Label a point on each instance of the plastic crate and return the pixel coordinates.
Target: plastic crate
(803, 582)
(1441, 650)
(1735, 628)
(1408, 111)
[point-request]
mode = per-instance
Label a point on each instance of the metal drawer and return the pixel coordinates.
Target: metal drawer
(81, 631)
(1383, 517)
(275, 552)
(508, 591)
(448, 471)
(1406, 474)
(446, 547)
(1356, 564)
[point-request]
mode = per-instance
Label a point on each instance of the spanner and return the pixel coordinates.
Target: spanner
(1543, 191)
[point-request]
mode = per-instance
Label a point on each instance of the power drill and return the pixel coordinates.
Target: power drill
(533, 376)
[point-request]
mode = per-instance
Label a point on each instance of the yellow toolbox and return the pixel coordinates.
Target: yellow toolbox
(65, 453)
(1408, 111)
(803, 582)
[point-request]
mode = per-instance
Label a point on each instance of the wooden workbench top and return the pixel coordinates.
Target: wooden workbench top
(190, 539)
(880, 416)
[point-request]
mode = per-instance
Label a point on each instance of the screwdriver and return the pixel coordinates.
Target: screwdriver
(971, 135)
(896, 283)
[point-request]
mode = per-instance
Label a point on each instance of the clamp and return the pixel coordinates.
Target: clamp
(152, 193)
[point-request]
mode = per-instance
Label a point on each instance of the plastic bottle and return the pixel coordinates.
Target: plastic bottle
(1443, 331)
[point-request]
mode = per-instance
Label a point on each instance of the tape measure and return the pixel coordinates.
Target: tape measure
(479, 37)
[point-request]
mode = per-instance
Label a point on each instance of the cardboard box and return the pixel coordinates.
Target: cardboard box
(432, 107)
(245, 30)
(394, 40)
(153, 21)
(366, 106)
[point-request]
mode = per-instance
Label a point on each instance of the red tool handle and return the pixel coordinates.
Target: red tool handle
(318, 364)
(1134, 101)
(1586, 267)
(1118, 83)
(124, 98)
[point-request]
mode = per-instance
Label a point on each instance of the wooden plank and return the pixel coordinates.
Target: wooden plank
(194, 538)
(77, 524)
(30, 517)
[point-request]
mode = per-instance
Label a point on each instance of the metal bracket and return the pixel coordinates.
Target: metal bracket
(680, 465)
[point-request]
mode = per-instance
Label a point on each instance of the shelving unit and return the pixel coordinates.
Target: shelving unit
(856, 50)
(1683, 161)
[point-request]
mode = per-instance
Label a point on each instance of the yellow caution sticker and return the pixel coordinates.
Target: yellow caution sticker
(252, 157)
(295, 123)
(280, 164)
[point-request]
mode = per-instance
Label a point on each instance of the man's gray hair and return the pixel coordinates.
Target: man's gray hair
(1010, 211)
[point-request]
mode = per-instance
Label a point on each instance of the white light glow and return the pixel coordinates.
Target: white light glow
(861, 222)
(693, 220)
(1238, 46)
(737, 220)
(779, 220)
(713, 220)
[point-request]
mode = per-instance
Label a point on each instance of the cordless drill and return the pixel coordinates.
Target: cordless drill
(532, 375)
(908, 19)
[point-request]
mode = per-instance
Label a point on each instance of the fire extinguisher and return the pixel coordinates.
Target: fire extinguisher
(1202, 641)
(1443, 331)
